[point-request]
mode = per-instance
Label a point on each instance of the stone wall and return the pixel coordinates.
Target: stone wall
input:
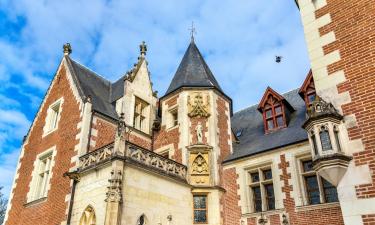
(91, 191)
(156, 197)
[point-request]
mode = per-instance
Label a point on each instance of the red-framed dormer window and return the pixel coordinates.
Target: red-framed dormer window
(307, 90)
(273, 109)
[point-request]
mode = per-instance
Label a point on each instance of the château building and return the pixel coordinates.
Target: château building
(101, 152)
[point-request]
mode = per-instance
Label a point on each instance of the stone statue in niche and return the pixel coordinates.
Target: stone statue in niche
(199, 130)
(199, 165)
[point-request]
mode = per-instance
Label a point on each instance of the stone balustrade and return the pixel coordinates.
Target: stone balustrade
(142, 157)
(97, 156)
(155, 161)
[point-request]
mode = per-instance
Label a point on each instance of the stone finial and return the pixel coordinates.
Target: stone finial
(143, 48)
(67, 49)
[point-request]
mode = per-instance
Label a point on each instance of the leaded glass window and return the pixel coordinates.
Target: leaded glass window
(324, 139)
(200, 208)
(262, 192)
(317, 189)
(330, 192)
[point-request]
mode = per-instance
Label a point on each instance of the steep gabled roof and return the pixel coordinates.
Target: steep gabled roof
(193, 72)
(252, 139)
(96, 87)
(269, 91)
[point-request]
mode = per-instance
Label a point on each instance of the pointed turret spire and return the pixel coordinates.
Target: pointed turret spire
(193, 72)
(192, 31)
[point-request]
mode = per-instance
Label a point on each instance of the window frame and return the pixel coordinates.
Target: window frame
(201, 209)
(271, 104)
(140, 114)
(173, 122)
(39, 187)
(303, 174)
(261, 183)
(48, 128)
(325, 129)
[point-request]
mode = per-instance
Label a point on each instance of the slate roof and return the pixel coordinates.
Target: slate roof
(102, 92)
(193, 72)
(253, 140)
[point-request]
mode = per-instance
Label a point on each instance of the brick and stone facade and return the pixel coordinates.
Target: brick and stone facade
(339, 37)
(122, 155)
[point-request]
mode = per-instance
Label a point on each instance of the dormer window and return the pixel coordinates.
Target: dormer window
(307, 90)
(275, 110)
(274, 114)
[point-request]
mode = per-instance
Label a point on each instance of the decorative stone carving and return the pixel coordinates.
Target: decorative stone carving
(144, 157)
(199, 131)
(67, 49)
(285, 220)
(198, 106)
(121, 126)
(156, 161)
(262, 220)
(200, 166)
(91, 159)
(320, 108)
(114, 188)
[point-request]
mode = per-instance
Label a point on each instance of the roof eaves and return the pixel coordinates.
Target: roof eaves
(262, 151)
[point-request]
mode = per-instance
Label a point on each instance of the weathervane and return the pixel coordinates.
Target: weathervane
(192, 31)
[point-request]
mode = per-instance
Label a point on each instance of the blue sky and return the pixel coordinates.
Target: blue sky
(239, 40)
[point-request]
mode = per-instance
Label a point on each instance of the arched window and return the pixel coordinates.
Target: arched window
(142, 220)
(324, 139)
(88, 217)
(273, 114)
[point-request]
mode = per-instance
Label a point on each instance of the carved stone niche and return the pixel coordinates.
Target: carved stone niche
(200, 164)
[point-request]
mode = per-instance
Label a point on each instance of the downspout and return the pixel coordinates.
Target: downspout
(75, 176)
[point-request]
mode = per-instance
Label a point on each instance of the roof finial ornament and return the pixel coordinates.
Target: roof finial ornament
(192, 31)
(143, 49)
(67, 49)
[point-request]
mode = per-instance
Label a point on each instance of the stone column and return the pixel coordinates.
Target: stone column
(114, 195)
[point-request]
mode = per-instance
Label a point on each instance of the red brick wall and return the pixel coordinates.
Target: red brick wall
(52, 211)
(165, 137)
(368, 219)
(140, 141)
(231, 210)
(353, 23)
(106, 132)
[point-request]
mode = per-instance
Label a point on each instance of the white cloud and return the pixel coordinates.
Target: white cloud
(7, 170)
(238, 39)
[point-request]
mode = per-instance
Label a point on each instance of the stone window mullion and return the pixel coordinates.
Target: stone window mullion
(321, 190)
